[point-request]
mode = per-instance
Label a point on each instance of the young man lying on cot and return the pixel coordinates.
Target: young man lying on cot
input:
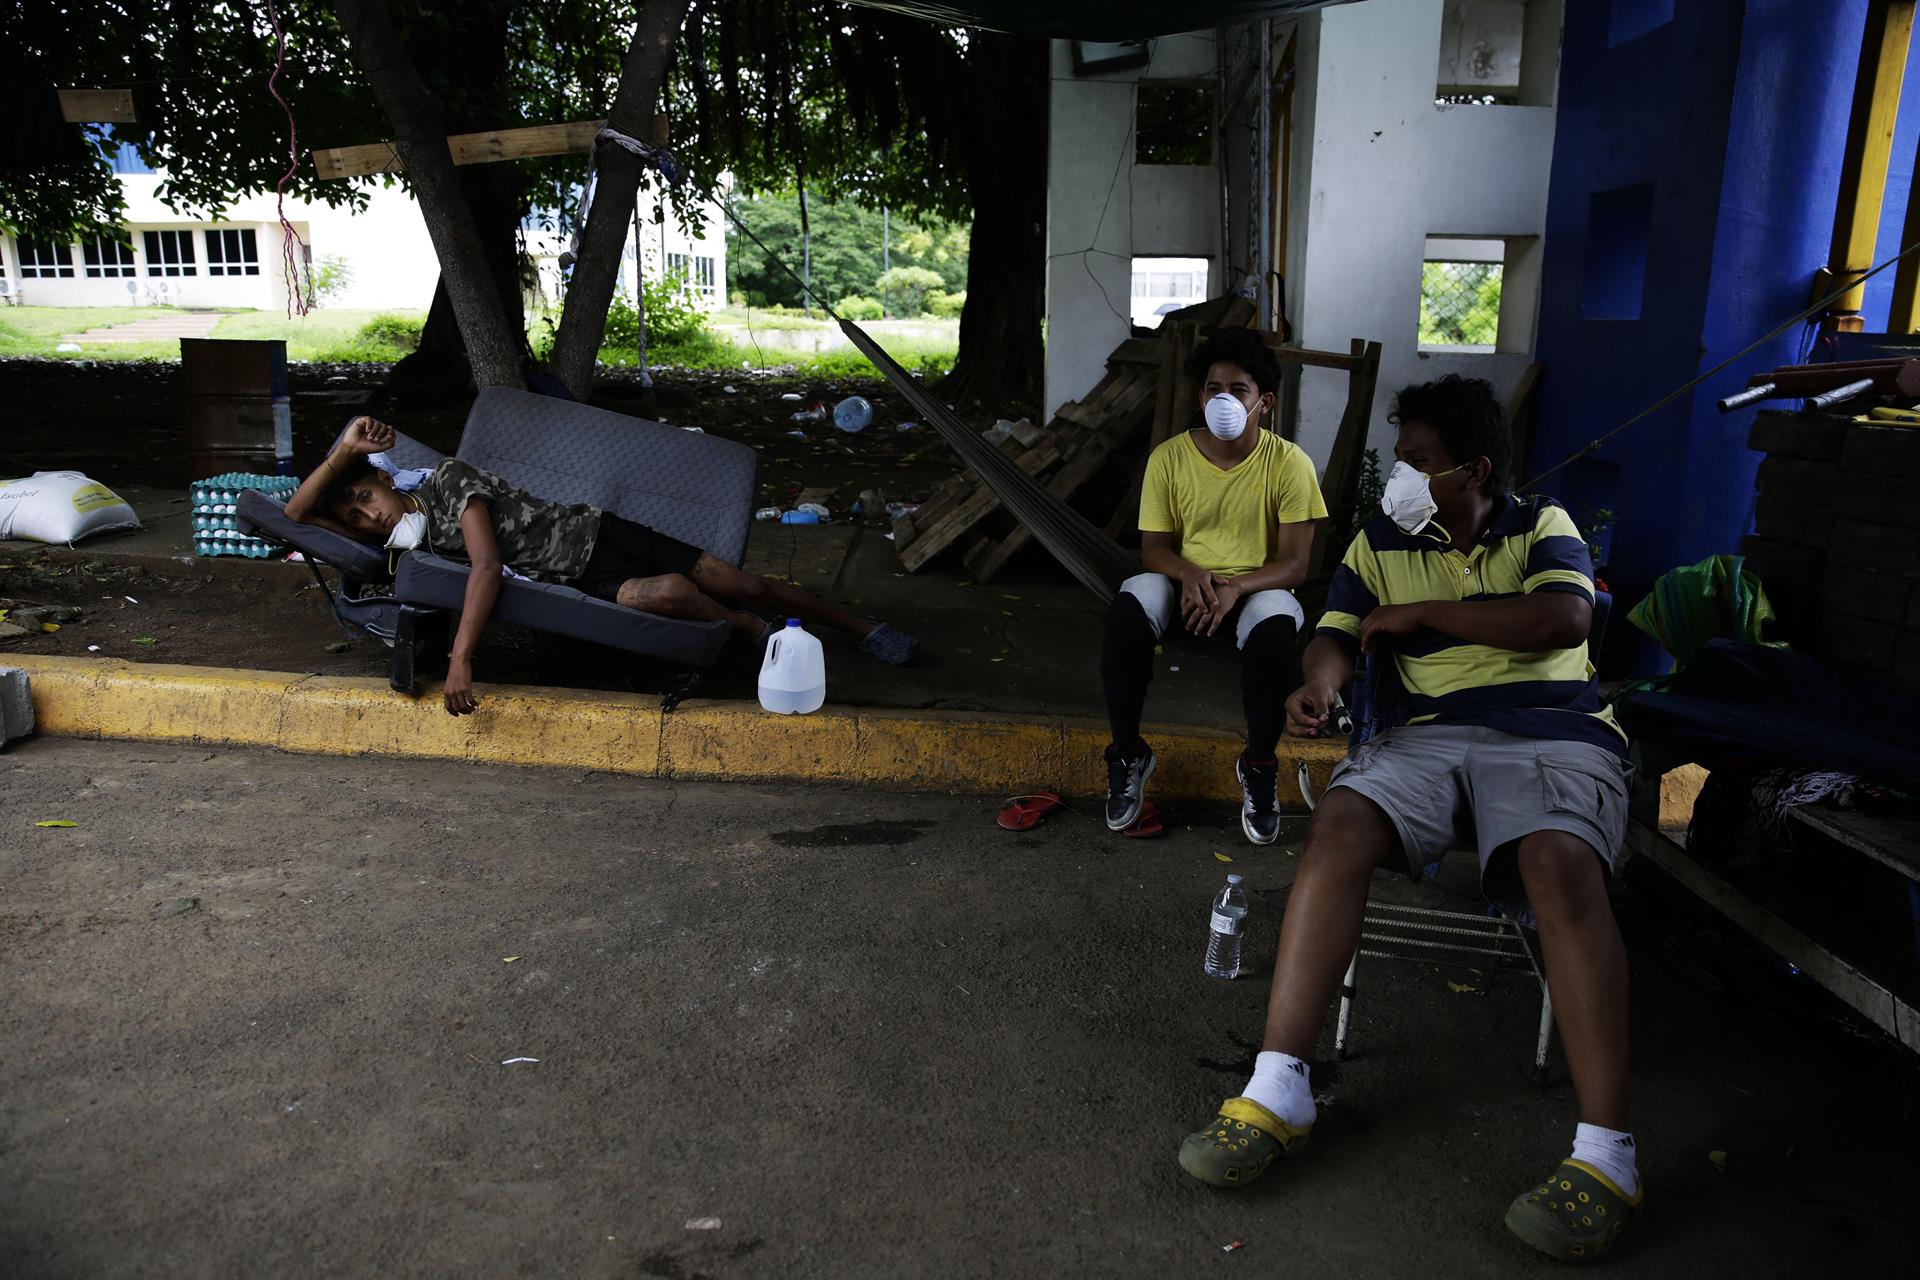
(1480, 602)
(460, 510)
(1227, 513)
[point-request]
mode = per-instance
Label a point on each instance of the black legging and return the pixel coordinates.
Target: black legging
(1269, 671)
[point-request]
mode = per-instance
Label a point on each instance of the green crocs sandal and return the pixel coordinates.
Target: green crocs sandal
(1240, 1143)
(1576, 1214)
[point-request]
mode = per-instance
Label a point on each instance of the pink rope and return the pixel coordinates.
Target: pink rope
(298, 300)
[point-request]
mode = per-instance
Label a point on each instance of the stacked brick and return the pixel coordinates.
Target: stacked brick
(1836, 538)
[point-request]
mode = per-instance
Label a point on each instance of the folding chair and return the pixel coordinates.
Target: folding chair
(1488, 939)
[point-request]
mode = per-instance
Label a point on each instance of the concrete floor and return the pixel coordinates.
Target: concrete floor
(254, 1009)
(1029, 644)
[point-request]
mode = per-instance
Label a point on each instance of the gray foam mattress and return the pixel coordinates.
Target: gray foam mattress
(696, 487)
(438, 583)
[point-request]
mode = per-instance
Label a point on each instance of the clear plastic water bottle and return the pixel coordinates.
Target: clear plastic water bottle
(1227, 930)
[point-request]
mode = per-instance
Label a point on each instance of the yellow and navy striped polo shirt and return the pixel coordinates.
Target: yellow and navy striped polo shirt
(1531, 544)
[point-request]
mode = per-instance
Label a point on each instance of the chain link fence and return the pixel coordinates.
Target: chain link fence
(1459, 304)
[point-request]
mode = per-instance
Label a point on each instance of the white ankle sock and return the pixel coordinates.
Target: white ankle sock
(1280, 1084)
(1609, 1151)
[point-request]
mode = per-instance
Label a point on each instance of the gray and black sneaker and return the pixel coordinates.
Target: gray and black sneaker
(1127, 784)
(1259, 798)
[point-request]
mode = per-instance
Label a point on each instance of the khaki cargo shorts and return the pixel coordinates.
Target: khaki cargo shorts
(1462, 787)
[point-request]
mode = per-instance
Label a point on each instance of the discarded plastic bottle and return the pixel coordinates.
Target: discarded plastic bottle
(1227, 930)
(853, 414)
(793, 674)
(818, 413)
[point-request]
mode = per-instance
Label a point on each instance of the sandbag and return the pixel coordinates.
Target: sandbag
(60, 506)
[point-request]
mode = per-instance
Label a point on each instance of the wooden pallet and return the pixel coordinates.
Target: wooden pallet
(1138, 386)
(1081, 436)
(1145, 397)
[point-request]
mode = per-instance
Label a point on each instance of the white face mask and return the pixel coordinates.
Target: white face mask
(1409, 496)
(1226, 417)
(408, 531)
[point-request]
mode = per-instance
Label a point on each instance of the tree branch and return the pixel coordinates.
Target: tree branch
(420, 136)
(584, 320)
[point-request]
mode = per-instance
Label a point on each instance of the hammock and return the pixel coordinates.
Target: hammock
(1076, 542)
(1099, 563)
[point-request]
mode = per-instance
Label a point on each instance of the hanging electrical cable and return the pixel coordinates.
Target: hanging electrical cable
(293, 250)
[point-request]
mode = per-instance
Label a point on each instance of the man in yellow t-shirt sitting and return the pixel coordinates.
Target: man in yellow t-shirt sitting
(1226, 521)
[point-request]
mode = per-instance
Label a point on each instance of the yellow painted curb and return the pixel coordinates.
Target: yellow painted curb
(626, 733)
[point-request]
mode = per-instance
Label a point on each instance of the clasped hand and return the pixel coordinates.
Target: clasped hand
(1205, 601)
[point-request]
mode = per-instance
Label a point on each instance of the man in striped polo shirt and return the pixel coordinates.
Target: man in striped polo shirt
(1476, 603)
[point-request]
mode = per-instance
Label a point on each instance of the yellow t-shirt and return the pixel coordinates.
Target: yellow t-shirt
(1228, 521)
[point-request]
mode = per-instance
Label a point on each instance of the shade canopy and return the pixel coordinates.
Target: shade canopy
(1104, 20)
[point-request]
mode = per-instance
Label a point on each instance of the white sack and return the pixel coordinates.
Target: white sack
(60, 506)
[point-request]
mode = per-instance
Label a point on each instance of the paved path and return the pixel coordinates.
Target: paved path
(186, 324)
(254, 1011)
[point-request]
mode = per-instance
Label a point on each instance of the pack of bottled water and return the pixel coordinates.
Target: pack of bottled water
(216, 528)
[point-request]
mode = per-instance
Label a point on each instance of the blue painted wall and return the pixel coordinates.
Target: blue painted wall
(1731, 117)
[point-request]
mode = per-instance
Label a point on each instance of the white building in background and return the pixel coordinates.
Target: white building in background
(238, 262)
(1402, 133)
(658, 245)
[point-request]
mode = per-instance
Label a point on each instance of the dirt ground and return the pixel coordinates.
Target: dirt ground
(121, 424)
(258, 1014)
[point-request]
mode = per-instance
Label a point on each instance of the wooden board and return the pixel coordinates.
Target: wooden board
(986, 557)
(982, 503)
(1867, 996)
(97, 106)
(487, 147)
(1891, 842)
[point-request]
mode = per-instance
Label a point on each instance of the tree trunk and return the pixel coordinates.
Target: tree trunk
(493, 345)
(438, 372)
(583, 321)
(1002, 345)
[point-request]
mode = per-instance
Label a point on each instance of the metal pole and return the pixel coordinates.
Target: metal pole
(886, 254)
(1863, 170)
(1220, 160)
(1263, 235)
(1904, 315)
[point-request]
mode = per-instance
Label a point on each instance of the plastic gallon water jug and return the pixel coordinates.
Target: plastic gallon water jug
(853, 414)
(793, 675)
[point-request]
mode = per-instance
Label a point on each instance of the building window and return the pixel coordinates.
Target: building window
(45, 261)
(696, 274)
(107, 258)
(232, 252)
(1460, 304)
(1161, 285)
(1173, 123)
(170, 253)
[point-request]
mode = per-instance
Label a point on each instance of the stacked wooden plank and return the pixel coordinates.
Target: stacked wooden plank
(1066, 454)
(1146, 385)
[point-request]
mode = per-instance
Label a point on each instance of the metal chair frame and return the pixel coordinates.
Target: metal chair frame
(1429, 933)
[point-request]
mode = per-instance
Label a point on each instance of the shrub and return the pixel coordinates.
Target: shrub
(855, 307)
(946, 305)
(329, 279)
(905, 289)
(392, 330)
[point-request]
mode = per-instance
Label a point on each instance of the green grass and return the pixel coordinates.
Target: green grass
(36, 331)
(318, 336)
(932, 357)
(336, 337)
(326, 335)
